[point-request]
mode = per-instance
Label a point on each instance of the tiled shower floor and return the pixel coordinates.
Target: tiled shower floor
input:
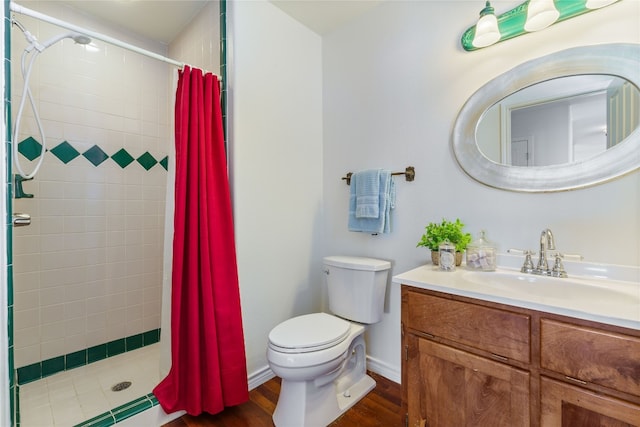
(70, 397)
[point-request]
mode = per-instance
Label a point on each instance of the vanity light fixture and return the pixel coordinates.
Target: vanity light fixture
(540, 14)
(597, 4)
(487, 31)
(514, 22)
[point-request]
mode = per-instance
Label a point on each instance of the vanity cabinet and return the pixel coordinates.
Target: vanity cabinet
(452, 387)
(471, 362)
(608, 361)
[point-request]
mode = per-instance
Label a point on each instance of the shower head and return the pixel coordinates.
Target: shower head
(81, 38)
(76, 37)
(34, 44)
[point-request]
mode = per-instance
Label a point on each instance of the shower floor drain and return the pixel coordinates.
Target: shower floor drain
(121, 386)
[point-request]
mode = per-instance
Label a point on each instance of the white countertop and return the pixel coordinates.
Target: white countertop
(608, 301)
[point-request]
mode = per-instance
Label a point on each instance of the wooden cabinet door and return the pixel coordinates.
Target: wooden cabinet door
(569, 406)
(447, 387)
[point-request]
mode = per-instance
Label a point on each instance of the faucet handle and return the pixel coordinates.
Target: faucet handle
(572, 257)
(558, 267)
(527, 267)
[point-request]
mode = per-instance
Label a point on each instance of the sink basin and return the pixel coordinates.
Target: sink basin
(550, 289)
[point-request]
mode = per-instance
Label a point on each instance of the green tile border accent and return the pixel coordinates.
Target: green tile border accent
(65, 152)
(14, 403)
(122, 412)
(52, 366)
(45, 368)
(102, 420)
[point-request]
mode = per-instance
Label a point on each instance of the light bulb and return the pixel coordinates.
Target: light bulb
(540, 14)
(487, 31)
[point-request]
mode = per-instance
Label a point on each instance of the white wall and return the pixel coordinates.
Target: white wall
(393, 83)
(276, 136)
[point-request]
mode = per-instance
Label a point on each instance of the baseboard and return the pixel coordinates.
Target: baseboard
(260, 377)
(264, 374)
(384, 369)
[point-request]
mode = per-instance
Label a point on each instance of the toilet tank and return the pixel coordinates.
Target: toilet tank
(356, 287)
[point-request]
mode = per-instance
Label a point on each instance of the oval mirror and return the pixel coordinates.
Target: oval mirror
(564, 121)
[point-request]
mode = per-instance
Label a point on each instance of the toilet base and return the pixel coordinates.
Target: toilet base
(318, 410)
(317, 403)
(355, 393)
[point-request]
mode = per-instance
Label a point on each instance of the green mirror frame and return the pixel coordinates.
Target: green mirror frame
(511, 23)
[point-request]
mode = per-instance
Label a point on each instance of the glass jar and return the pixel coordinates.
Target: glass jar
(447, 256)
(482, 254)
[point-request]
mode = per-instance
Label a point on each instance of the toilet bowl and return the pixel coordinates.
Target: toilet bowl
(307, 395)
(321, 357)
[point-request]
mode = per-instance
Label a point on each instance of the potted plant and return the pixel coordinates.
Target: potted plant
(436, 233)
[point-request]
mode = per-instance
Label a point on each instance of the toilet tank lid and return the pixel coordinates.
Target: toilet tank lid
(357, 263)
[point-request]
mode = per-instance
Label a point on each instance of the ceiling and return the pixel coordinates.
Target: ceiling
(322, 16)
(159, 20)
(163, 20)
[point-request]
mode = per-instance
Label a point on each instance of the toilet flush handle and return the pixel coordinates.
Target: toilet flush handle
(326, 271)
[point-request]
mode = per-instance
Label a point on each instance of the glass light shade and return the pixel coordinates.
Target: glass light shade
(487, 32)
(597, 4)
(540, 14)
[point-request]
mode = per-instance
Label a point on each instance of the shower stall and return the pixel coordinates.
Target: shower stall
(94, 147)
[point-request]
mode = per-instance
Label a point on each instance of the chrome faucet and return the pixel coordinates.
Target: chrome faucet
(546, 243)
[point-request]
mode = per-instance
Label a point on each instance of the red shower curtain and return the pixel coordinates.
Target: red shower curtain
(208, 365)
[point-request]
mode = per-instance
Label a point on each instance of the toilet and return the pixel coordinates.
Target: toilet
(320, 357)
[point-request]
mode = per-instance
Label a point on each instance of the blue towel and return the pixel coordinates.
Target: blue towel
(367, 188)
(386, 202)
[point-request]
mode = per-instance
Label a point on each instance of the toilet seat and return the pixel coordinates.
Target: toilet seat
(308, 333)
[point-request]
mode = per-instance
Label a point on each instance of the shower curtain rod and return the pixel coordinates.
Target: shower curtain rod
(94, 35)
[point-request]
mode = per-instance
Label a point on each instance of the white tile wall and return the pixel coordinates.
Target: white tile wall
(89, 268)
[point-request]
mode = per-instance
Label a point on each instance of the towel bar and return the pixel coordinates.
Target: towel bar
(409, 174)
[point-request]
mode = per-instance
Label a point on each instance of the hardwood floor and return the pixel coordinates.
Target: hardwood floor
(380, 408)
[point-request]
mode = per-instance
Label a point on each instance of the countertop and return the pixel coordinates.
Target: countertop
(603, 300)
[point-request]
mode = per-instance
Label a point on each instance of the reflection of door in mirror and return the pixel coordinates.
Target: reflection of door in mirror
(623, 112)
(571, 129)
(521, 152)
(566, 120)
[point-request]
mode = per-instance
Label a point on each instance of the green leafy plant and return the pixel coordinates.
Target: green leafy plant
(446, 230)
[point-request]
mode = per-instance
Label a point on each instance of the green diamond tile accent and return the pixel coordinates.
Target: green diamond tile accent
(95, 155)
(147, 160)
(122, 158)
(65, 152)
(165, 163)
(30, 148)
